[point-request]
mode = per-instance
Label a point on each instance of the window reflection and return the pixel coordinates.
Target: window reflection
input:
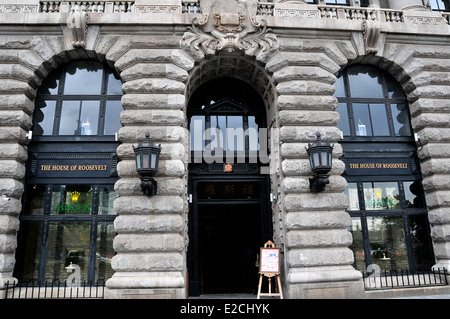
(357, 245)
(84, 77)
(387, 242)
(376, 105)
(353, 199)
(413, 195)
(381, 196)
(45, 116)
(112, 117)
(89, 106)
(73, 234)
(365, 82)
(68, 243)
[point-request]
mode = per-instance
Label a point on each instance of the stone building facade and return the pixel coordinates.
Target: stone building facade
(291, 53)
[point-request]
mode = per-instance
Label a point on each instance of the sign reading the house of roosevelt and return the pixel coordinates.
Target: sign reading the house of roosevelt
(73, 168)
(392, 166)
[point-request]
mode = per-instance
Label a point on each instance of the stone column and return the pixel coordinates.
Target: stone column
(16, 107)
(430, 120)
(406, 5)
(318, 262)
(150, 242)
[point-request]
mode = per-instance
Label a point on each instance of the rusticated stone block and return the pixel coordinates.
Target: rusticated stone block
(140, 262)
(153, 101)
(152, 85)
(317, 220)
(318, 238)
(317, 202)
(143, 243)
(138, 224)
(143, 205)
(327, 256)
(308, 118)
(155, 117)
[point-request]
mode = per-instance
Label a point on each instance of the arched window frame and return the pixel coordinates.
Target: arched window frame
(58, 97)
(392, 94)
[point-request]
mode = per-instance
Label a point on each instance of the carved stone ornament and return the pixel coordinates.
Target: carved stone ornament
(371, 33)
(77, 23)
(233, 28)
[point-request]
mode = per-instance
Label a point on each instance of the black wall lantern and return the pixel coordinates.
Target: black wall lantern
(320, 158)
(147, 160)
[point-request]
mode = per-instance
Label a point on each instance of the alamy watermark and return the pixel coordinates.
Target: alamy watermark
(230, 145)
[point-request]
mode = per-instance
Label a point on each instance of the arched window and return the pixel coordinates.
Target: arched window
(80, 99)
(67, 217)
(226, 123)
(371, 105)
(386, 200)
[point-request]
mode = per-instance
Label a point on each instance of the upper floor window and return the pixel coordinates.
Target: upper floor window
(371, 104)
(331, 2)
(440, 5)
(80, 99)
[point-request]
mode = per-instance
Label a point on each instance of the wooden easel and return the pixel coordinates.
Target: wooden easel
(269, 275)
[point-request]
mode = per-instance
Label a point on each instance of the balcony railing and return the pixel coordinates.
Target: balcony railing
(264, 8)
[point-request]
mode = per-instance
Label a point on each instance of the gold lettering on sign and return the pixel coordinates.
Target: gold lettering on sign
(78, 167)
(377, 165)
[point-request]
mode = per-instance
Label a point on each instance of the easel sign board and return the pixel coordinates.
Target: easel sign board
(269, 261)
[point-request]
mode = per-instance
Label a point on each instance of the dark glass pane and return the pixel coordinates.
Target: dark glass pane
(35, 200)
(421, 245)
(394, 89)
(235, 133)
(68, 243)
(71, 200)
(29, 251)
(44, 117)
(253, 134)
(224, 190)
(70, 113)
(51, 84)
(387, 242)
(340, 88)
(218, 132)
(114, 85)
(362, 121)
(400, 117)
(353, 199)
(105, 251)
(197, 130)
(357, 245)
(107, 195)
(112, 117)
(343, 124)
(413, 194)
(380, 124)
(89, 118)
(84, 77)
(365, 82)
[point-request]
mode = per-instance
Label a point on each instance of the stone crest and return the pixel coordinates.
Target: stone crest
(233, 27)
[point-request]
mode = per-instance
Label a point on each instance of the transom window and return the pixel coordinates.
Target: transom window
(226, 123)
(371, 104)
(80, 99)
(440, 5)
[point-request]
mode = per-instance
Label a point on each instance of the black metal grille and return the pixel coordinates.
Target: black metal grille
(54, 290)
(405, 279)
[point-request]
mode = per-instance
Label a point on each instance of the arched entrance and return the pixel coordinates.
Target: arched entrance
(230, 216)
